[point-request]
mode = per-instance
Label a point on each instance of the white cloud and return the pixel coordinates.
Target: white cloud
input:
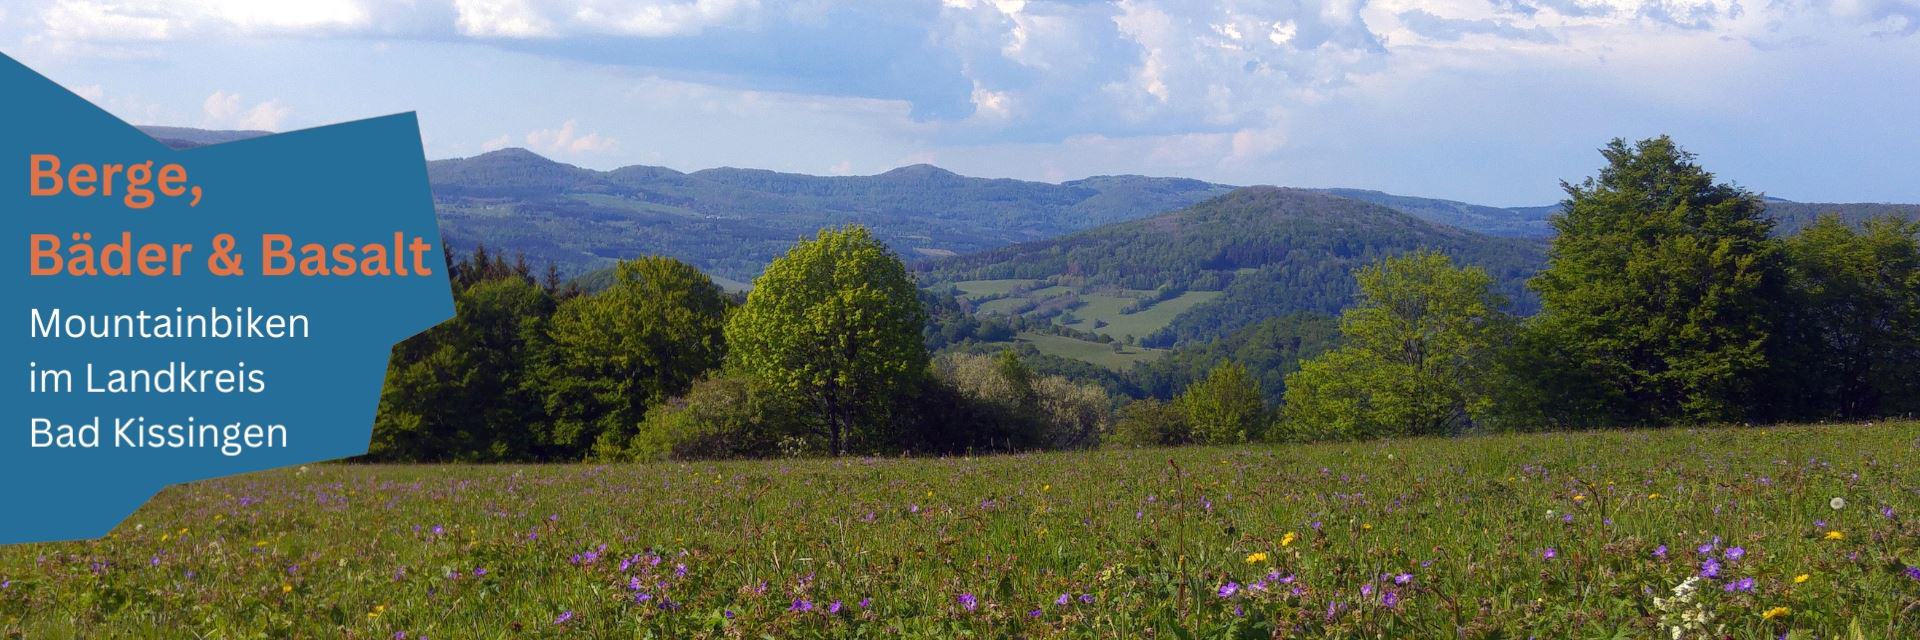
(224, 110)
(129, 20)
(501, 142)
(568, 141)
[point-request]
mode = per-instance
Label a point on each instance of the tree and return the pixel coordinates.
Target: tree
(1225, 408)
(1414, 351)
(461, 390)
(1852, 328)
(613, 354)
(1151, 423)
(720, 417)
(1658, 286)
(837, 321)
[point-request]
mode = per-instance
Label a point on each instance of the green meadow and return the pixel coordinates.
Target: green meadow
(1806, 531)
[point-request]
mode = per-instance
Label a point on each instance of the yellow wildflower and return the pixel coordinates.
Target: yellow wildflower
(1776, 612)
(1836, 535)
(1366, 526)
(286, 588)
(1801, 578)
(1579, 498)
(1289, 538)
(1653, 496)
(1256, 557)
(377, 610)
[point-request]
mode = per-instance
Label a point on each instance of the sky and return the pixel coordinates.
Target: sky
(1486, 101)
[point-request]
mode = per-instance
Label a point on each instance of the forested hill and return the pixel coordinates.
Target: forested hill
(1270, 250)
(731, 222)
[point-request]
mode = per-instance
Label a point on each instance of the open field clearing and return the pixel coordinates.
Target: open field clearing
(1809, 531)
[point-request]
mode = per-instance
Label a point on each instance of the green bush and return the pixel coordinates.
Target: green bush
(725, 417)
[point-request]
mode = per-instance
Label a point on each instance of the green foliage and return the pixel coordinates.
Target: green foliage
(615, 353)
(1151, 423)
(1011, 408)
(1413, 357)
(462, 390)
(723, 417)
(1851, 327)
(1658, 287)
(1225, 408)
(836, 321)
(1270, 349)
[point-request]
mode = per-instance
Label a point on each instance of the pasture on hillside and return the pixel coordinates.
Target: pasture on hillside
(1806, 531)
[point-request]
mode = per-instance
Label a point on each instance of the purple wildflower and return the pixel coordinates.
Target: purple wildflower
(1550, 553)
(1366, 590)
(1063, 600)
(1710, 568)
(967, 601)
(1034, 613)
(1735, 553)
(1086, 598)
(728, 613)
(1886, 512)
(565, 617)
(1912, 572)
(801, 605)
(833, 607)
(1568, 518)
(1743, 585)
(866, 602)
(480, 572)
(1390, 599)
(1403, 578)
(1660, 552)
(1229, 589)
(679, 571)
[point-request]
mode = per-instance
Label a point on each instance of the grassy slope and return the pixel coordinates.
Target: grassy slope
(352, 551)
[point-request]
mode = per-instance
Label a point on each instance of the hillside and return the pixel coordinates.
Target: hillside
(1254, 253)
(731, 222)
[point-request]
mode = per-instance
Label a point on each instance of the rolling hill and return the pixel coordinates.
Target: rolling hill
(731, 222)
(1254, 253)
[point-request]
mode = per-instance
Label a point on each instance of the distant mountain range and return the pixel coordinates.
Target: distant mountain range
(731, 222)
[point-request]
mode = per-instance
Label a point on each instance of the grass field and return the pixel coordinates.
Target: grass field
(1139, 325)
(1089, 351)
(1806, 531)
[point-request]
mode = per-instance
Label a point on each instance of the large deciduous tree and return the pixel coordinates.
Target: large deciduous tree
(1852, 324)
(1657, 293)
(615, 353)
(1414, 353)
(837, 320)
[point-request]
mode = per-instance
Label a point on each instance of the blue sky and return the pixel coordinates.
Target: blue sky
(1491, 101)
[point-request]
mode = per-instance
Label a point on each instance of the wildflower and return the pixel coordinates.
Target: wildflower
(1837, 503)
(1034, 613)
(480, 572)
(1288, 539)
(1886, 512)
(801, 605)
(1912, 572)
(1390, 599)
(286, 588)
(1710, 568)
(1550, 553)
(1743, 585)
(1579, 498)
(1063, 600)
(1366, 590)
(833, 607)
(1653, 496)
(1567, 518)
(1256, 557)
(1801, 578)
(1660, 552)
(728, 613)
(1086, 598)
(1403, 578)
(967, 601)
(1776, 612)
(866, 602)
(1229, 589)
(377, 610)
(565, 617)
(1735, 553)
(1836, 534)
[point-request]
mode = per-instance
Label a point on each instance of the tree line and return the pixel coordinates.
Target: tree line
(1666, 299)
